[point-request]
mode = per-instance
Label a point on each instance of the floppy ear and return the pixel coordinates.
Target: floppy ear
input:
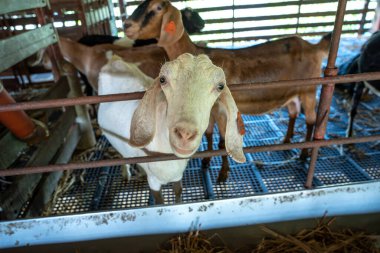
(235, 126)
(172, 27)
(143, 125)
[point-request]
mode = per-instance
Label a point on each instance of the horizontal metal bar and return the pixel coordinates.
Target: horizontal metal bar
(249, 6)
(279, 27)
(233, 87)
(351, 199)
(7, 6)
(282, 16)
(277, 36)
(166, 157)
(311, 81)
(19, 47)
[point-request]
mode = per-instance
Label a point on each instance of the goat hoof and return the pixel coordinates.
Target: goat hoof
(304, 156)
(205, 164)
(222, 178)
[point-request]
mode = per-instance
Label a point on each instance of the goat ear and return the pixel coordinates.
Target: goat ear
(235, 126)
(171, 28)
(143, 125)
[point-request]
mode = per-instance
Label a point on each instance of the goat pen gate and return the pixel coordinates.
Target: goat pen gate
(256, 192)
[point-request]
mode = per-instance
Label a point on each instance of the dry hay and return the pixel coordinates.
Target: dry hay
(194, 242)
(322, 238)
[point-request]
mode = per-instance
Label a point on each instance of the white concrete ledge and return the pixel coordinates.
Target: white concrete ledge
(340, 200)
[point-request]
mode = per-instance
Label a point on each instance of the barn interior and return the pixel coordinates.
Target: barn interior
(97, 208)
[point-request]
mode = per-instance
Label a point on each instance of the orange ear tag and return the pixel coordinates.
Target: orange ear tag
(170, 27)
(240, 124)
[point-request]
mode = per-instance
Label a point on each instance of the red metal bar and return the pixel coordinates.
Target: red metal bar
(166, 157)
(327, 89)
(138, 95)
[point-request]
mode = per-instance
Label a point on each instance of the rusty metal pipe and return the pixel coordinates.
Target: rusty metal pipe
(166, 157)
(233, 87)
(327, 90)
(17, 122)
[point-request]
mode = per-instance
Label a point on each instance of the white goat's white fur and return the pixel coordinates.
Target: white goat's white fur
(122, 77)
(197, 91)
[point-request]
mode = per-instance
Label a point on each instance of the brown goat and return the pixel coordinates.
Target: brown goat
(89, 60)
(284, 59)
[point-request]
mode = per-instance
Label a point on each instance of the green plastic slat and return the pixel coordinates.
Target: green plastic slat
(7, 6)
(19, 47)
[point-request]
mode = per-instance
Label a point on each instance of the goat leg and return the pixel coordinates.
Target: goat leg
(158, 198)
(294, 108)
(358, 92)
(206, 160)
(177, 188)
(223, 173)
(290, 131)
(309, 134)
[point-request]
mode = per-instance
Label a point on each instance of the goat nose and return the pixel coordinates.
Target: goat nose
(185, 134)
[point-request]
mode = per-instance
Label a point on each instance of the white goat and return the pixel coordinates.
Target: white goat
(172, 116)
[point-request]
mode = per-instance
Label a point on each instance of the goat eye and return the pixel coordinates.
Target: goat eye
(220, 86)
(162, 80)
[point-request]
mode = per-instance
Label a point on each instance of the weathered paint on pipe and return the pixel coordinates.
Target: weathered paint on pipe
(17, 122)
(260, 209)
(166, 157)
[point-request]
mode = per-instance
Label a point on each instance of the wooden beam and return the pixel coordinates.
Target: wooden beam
(49, 183)
(19, 47)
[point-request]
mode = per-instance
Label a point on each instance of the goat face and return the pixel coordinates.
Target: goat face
(192, 21)
(155, 19)
(188, 88)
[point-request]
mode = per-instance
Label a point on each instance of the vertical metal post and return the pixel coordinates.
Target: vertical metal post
(327, 90)
(52, 50)
(83, 118)
(364, 16)
(298, 15)
(123, 13)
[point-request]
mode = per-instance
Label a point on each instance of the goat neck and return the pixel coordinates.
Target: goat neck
(183, 45)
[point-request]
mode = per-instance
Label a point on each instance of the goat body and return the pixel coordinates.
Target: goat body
(115, 120)
(368, 61)
(90, 60)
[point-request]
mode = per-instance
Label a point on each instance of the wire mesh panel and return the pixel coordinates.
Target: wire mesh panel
(338, 170)
(79, 197)
(285, 177)
(81, 186)
(370, 164)
(271, 157)
(242, 181)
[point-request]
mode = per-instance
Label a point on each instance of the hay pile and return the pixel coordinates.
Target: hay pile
(320, 239)
(194, 242)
